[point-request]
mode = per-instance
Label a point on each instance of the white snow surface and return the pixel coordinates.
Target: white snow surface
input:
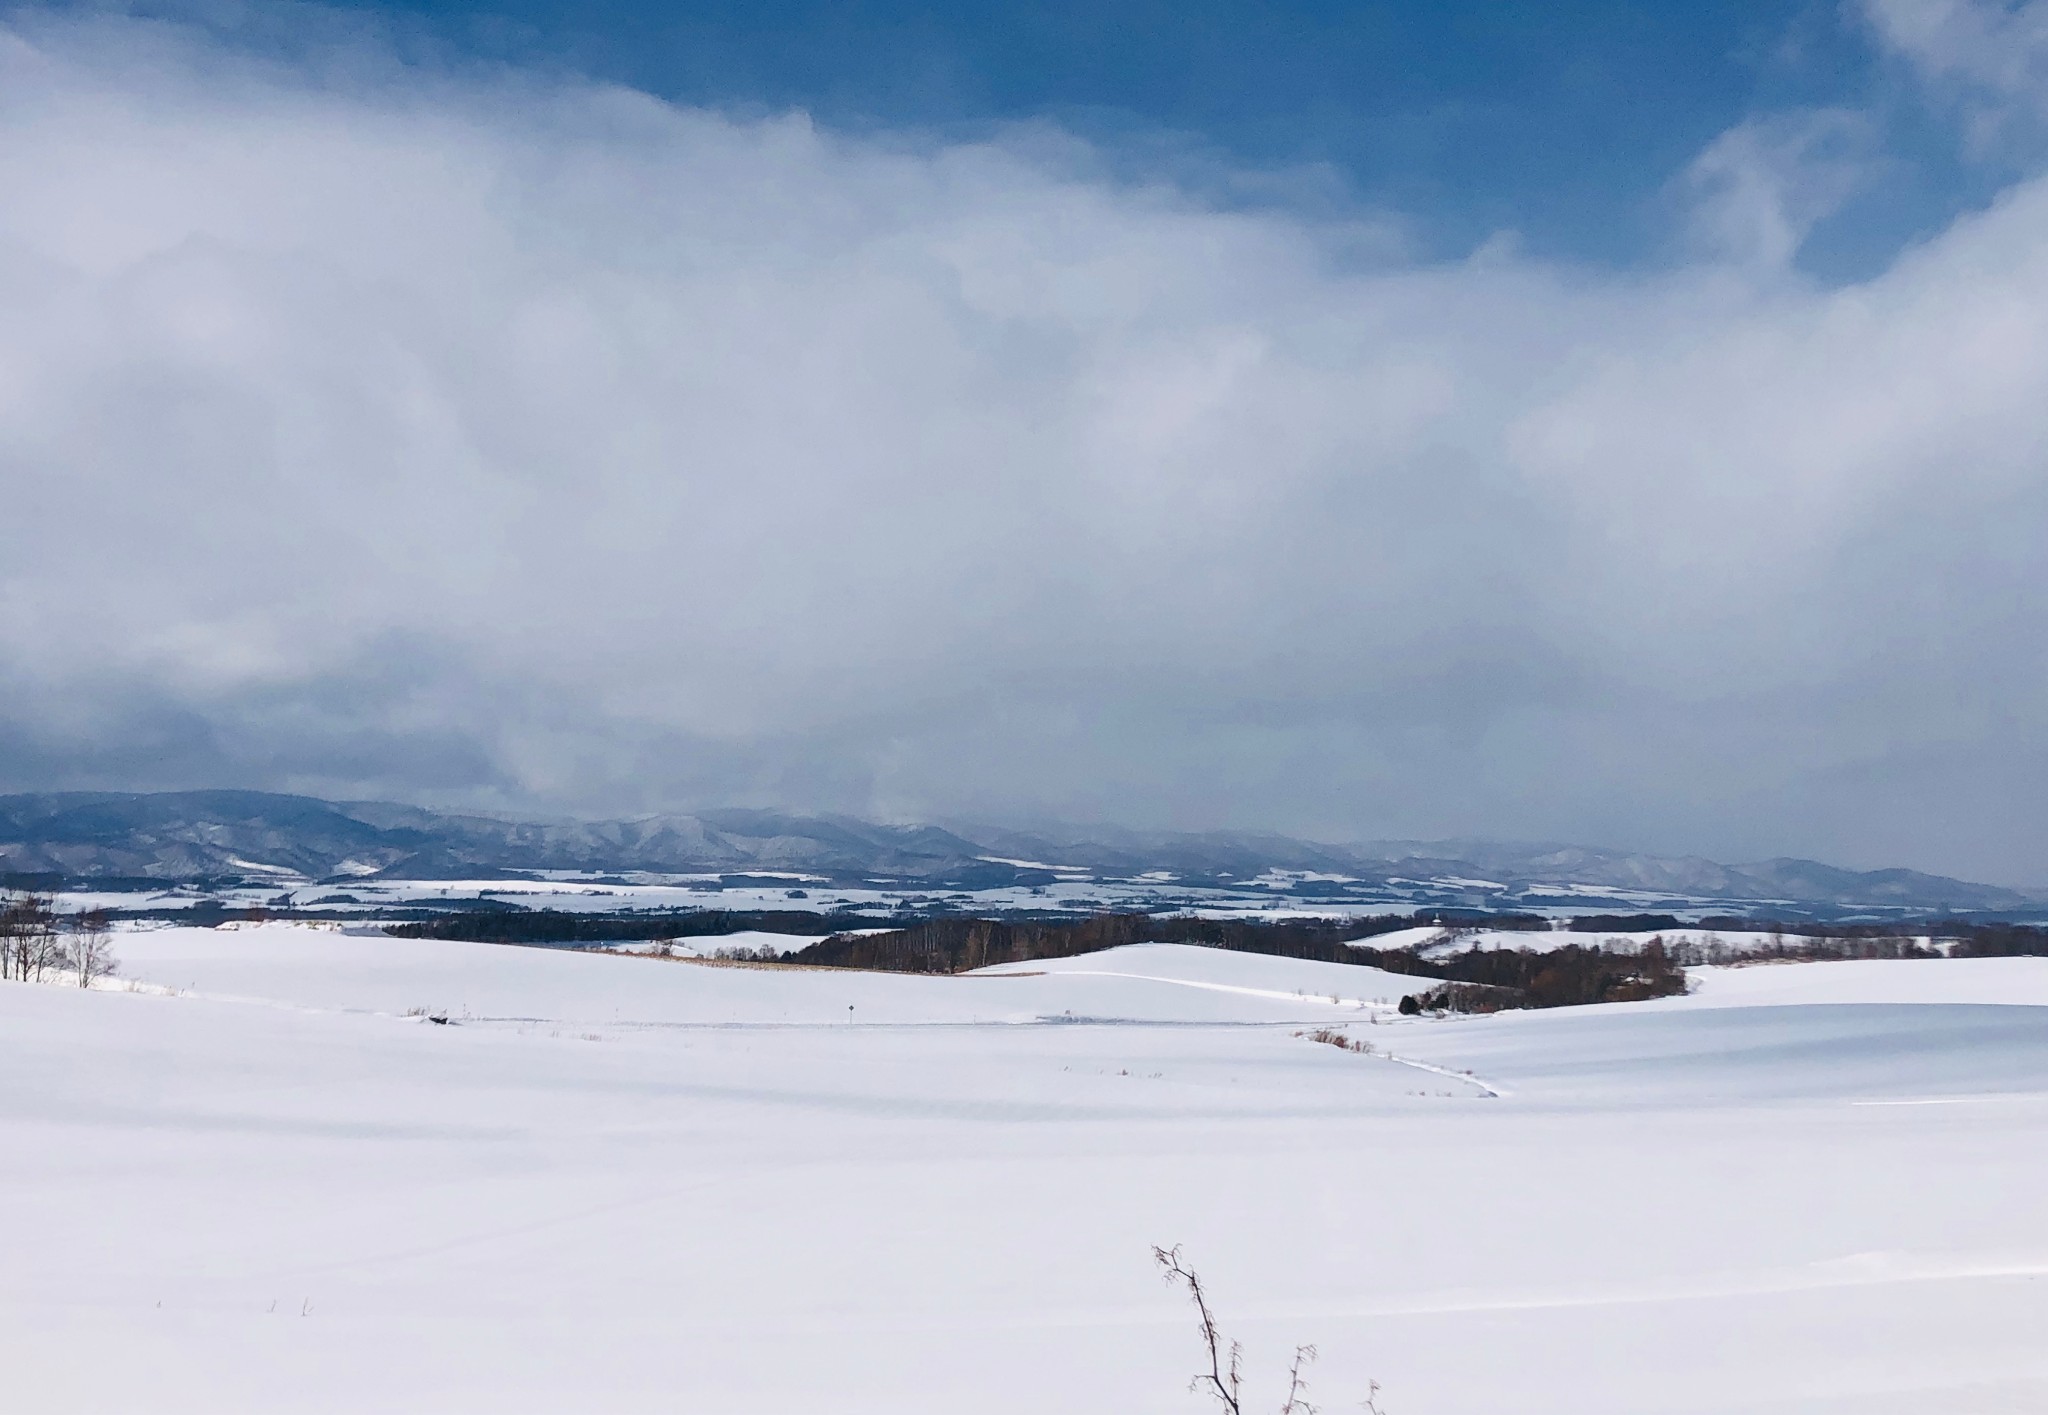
(621, 1183)
(2020, 982)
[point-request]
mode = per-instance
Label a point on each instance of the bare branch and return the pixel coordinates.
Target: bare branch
(1297, 1388)
(1223, 1382)
(1225, 1377)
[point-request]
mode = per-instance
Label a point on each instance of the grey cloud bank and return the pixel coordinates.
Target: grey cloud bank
(520, 443)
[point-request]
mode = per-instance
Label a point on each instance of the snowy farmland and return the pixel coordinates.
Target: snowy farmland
(264, 1179)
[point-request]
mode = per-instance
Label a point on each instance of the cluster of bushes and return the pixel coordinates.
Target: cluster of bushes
(1343, 1041)
(1463, 997)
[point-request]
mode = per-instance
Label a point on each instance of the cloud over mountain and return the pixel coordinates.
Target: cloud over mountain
(504, 439)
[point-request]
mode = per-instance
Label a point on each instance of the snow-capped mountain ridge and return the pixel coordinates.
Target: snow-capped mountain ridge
(219, 834)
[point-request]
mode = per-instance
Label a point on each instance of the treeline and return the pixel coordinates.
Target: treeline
(561, 926)
(1494, 979)
(1925, 940)
(1711, 950)
(2002, 941)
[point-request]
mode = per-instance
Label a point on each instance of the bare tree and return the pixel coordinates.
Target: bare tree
(1225, 1377)
(47, 952)
(27, 936)
(92, 950)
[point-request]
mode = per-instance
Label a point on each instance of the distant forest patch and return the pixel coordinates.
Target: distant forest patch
(561, 926)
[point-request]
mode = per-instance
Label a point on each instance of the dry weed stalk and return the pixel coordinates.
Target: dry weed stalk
(1225, 1377)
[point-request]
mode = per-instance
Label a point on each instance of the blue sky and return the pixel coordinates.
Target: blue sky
(1563, 123)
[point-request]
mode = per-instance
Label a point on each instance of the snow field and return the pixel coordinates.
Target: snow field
(2019, 982)
(630, 1184)
(320, 968)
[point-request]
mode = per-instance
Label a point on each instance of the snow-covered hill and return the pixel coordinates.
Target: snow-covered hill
(624, 1183)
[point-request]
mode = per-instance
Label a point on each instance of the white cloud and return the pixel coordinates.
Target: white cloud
(1761, 187)
(1992, 53)
(536, 442)
(2000, 44)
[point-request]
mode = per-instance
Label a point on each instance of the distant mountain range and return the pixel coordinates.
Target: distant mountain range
(257, 836)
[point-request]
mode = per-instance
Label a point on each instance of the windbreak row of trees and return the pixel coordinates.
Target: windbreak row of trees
(38, 944)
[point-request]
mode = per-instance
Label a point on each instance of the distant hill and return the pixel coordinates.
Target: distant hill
(1523, 871)
(250, 835)
(215, 834)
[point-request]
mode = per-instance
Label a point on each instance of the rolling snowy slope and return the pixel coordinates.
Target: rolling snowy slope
(623, 1184)
(328, 970)
(1987, 981)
